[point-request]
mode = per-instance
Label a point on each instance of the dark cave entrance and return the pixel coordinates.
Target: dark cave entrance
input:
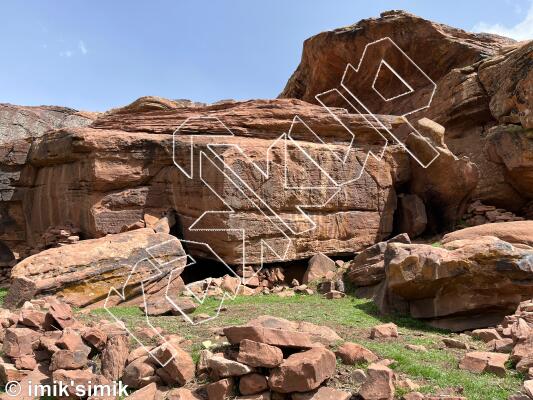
(6, 255)
(206, 267)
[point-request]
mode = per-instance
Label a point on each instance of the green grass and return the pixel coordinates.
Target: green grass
(3, 294)
(352, 318)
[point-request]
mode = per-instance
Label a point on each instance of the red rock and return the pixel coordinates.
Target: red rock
(224, 368)
(411, 215)
(182, 394)
(38, 376)
(486, 334)
(252, 384)
(25, 362)
(451, 179)
(511, 232)
(274, 337)
(501, 345)
(323, 393)
(522, 349)
(368, 268)
(384, 331)
(78, 377)
(146, 393)
(302, 372)
(257, 354)
(20, 341)
(71, 340)
(48, 341)
(525, 364)
(479, 361)
(318, 333)
(139, 372)
(450, 302)
(352, 353)
(261, 396)
(220, 390)
(141, 351)
(61, 315)
(325, 55)
(415, 347)
(178, 364)
(319, 266)
(95, 337)
(68, 359)
(8, 373)
(114, 356)
(334, 294)
(94, 255)
(379, 384)
(32, 318)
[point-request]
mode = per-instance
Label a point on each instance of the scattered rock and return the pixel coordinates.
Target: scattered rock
(114, 356)
(224, 368)
(455, 344)
(320, 266)
(379, 383)
(486, 334)
(480, 361)
(352, 353)
(252, 384)
(416, 347)
(323, 393)
(257, 354)
(302, 372)
(384, 331)
(220, 390)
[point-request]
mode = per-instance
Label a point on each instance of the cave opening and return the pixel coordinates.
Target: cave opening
(6, 255)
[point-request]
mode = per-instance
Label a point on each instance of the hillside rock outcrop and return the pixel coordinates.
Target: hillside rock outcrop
(483, 93)
(19, 127)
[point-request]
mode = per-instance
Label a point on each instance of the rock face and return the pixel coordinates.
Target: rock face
(468, 283)
(123, 168)
(19, 127)
(325, 55)
(111, 175)
(483, 92)
(83, 273)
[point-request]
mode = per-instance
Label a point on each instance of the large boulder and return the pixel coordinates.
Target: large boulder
(514, 232)
(368, 267)
(465, 284)
(83, 273)
(113, 174)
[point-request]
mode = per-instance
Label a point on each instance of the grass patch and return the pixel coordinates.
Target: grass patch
(3, 294)
(352, 318)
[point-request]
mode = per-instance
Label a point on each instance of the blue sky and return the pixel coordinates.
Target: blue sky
(95, 55)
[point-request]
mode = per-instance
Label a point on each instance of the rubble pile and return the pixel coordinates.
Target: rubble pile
(478, 213)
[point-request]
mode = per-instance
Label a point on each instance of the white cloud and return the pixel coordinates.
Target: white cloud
(66, 53)
(521, 31)
(82, 47)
